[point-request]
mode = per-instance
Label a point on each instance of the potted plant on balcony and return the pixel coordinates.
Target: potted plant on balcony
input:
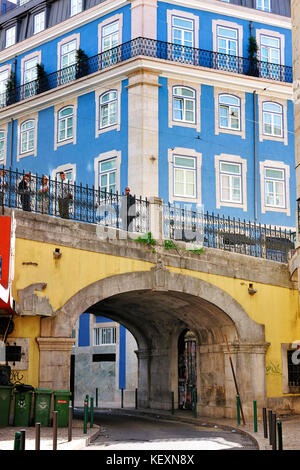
(252, 57)
(42, 79)
(11, 89)
(81, 63)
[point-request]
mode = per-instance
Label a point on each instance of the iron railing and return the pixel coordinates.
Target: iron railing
(73, 201)
(148, 48)
(226, 233)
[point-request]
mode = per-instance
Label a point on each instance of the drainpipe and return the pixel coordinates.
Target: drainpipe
(255, 154)
(11, 141)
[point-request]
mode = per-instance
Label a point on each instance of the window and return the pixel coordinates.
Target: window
(184, 104)
(184, 176)
(27, 134)
(2, 145)
(104, 336)
(10, 36)
(107, 175)
(65, 124)
(229, 112)
(75, 7)
(293, 368)
(231, 182)
(264, 5)
(275, 187)
(109, 40)
(272, 119)
(182, 31)
(270, 49)
(108, 109)
(67, 61)
(227, 47)
(39, 22)
(29, 77)
(4, 76)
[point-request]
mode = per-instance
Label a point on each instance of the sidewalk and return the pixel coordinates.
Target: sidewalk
(290, 430)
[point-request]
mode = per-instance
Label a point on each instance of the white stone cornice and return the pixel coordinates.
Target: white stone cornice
(121, 71)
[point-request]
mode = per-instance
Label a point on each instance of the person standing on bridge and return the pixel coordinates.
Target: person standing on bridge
(128, 210)
(63, 195)
(25, 192)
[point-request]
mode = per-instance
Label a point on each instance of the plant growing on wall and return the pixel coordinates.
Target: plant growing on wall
(42, 79)
(252, 56)
(147, 240)
(11, 85)
(81, 63)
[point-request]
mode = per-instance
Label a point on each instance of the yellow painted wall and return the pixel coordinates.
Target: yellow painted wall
(29, 327)
(275, 307)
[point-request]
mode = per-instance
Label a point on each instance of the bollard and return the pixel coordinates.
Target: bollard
(85, 417)
(22, 440)
(279, 432)
(265, 423)
(96, 397)
(122, 397)
(37, 436)
(274, 432)
(92, 413)
(70, 423)
(136, 398)
(270, 426)
(238, 410)
(54, 431)
(17, 441)
(255, 415)
(195, 403)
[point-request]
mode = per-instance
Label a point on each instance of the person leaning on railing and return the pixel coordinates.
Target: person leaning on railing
(24, 191)
(43, 196)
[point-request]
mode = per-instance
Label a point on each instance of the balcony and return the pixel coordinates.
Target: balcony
(191, 228)
(143, 47)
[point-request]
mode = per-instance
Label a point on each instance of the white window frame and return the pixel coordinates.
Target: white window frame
(33, 150)
(76, 6)
(183, 99)
(5, 71)
(230, 110)
(272, 115)
(276, 35)
(25, 136)
(262, 136)
(57, 108)
(106, 156)
(183, 30)
(236, 94)
(68, 74)
(235, 159)
(231, 176)
(196, 87)
(187, 153)
(108, 105)
(112, 19)
(65, 120)
(100, 92)
(98, 333)
(10, 36)
(39, 22)
(107, 173)
(185, 16)
(271, 164)
(3, 129)
(264, 5)
(29, 88)
(228, 25)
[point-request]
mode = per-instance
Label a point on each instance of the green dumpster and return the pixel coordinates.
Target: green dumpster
(22, 411)
(61, 405)
(42, 406)
(5, 400)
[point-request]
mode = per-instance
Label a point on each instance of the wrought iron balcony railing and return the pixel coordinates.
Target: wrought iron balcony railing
(149, 48)
(108, 209)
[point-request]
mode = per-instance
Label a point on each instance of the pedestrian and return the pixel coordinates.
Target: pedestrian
(25, 192)
(64, 196)
(43, 196)
(3, 186)
(128, 210)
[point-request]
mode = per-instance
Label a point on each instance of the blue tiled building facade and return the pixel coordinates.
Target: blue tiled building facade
(164, 98)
